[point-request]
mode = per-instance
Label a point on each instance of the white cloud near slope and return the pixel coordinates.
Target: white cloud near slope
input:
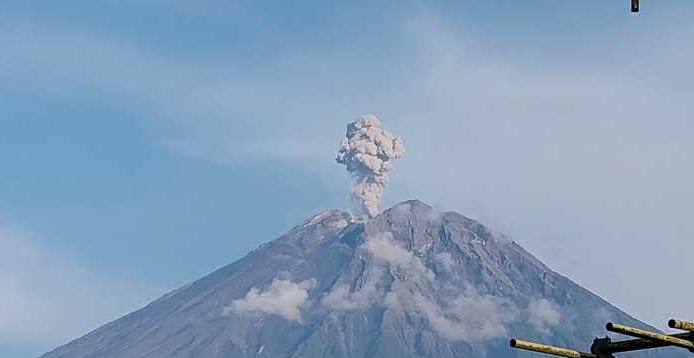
(543, 315)
(341, 299)
(385, 253)
(470, 318)
(383, 247)
(283, 298)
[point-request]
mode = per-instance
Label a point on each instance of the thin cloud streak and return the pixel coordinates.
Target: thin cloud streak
(571, 158)
(47, 299)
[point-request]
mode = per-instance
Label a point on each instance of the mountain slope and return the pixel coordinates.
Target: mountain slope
(411, 282)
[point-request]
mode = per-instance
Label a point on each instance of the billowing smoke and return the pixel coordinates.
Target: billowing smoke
(367, 151)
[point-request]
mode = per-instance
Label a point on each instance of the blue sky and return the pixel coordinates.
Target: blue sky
(145, 143)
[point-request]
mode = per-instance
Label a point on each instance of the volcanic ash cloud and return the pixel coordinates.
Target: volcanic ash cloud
(368, 151)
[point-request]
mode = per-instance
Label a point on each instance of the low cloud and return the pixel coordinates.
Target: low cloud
(543, 315)
(445, 259)
(47, 297)
(341, 299)
(470, 318)
(383, 247)
(473, 317)
(283, 298)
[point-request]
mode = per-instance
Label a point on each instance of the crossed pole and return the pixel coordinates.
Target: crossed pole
(605, 348)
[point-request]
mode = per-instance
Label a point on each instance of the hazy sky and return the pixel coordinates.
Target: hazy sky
(144, 144)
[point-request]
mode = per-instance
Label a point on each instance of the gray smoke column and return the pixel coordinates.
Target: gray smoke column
(368, 151)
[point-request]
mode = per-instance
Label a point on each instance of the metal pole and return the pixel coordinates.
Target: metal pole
(610, 347)
(640, 333)
(684, 325)
(543, 348)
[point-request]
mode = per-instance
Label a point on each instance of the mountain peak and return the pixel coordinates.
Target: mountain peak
(413, 204)
(330, 217)
(411, 209)
(411, 282)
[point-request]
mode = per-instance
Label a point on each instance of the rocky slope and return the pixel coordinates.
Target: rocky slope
(412, 282)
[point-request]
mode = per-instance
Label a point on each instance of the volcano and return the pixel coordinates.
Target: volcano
(411, 282)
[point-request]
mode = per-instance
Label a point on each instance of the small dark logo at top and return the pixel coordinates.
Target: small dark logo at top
(634, 5)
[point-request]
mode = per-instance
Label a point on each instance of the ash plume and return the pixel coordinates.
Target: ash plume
(367, 152)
